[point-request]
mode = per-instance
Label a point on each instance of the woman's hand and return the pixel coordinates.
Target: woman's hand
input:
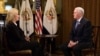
(27, 38)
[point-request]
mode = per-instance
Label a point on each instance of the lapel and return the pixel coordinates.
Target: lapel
(17, 28)
(79, 27)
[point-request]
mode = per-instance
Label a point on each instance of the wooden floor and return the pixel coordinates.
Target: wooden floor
(57, 55)
(61, 54)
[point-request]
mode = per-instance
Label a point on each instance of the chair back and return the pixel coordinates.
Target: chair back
(95, 34)
(4, 39)
(92, 51)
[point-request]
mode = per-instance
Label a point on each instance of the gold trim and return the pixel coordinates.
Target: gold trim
(2, 6)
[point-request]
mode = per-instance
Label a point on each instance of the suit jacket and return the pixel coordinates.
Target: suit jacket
(83, 31)
(14, 35)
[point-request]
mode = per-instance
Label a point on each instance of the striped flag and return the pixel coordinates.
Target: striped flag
(38, 18)
(50, 17)
(26, 18)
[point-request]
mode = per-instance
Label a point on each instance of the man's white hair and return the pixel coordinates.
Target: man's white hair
(80, 9)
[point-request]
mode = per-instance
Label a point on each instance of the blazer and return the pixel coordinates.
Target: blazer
(14, 35)
(83, 32)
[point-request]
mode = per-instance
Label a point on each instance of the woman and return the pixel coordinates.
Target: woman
(15, 36)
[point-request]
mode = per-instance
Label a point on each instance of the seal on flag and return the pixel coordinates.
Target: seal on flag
(50, 14)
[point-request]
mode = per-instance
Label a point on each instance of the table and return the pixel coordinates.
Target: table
(45, 42)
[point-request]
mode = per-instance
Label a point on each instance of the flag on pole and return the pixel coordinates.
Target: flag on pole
(50, 17)
(38, 18)
(26, 18)
(17, 5)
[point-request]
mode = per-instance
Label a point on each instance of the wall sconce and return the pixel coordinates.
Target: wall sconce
(33, 0)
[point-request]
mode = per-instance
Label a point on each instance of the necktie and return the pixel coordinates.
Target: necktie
(77, 23)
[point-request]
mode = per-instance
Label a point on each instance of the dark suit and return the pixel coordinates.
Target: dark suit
(82, 34)
(16, 40)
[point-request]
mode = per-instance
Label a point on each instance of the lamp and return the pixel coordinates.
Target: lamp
(8, 7)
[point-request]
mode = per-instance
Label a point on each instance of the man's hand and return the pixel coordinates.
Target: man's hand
(71, 43)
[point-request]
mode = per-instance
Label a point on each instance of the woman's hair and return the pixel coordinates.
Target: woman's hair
(11, 15)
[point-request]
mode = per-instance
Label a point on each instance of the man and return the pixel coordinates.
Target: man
(80, 37)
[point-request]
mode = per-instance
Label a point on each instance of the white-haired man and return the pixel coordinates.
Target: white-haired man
(80, 36)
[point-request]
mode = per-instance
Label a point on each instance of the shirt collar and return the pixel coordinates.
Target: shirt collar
(79, 19)
(15, 23)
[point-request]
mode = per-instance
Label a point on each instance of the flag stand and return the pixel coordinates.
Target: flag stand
(45, 47)
(52, 37)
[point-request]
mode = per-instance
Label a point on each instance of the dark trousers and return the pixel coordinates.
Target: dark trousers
(76, 50)
(34, 46)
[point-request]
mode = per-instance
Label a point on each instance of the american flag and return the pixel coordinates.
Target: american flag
(38, 18)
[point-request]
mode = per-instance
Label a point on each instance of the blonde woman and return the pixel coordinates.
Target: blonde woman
(15, 36)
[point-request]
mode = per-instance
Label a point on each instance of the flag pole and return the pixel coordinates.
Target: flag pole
(26, 18)
(52, 25)
(26, 27)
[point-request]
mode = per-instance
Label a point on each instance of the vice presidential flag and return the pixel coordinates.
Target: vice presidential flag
(26, 18)
(50, 17)
(38, 18)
